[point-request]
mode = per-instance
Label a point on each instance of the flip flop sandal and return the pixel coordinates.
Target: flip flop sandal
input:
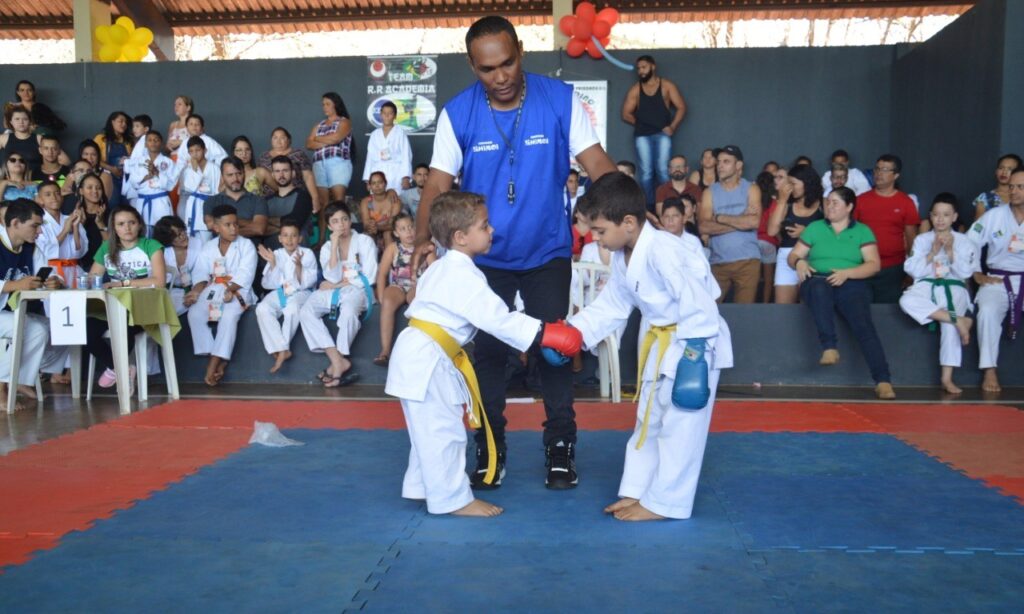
(348, 379)
(382, 361)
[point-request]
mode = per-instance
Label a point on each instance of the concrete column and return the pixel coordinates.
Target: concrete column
(88, 14)
(559, 9)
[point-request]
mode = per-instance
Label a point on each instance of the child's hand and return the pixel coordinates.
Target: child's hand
(326, 285)
(267, 255)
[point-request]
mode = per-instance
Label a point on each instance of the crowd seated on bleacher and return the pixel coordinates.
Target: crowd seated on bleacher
(232, 230)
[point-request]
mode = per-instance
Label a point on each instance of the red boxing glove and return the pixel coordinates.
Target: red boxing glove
(561, 337)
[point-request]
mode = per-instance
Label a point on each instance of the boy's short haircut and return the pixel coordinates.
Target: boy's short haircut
(46, 184)
(575, 172)
(21, 209)
(673, 202)
(389, 105)
(196, 141)
(49, 137)
(221, 210)
(336, 206)
(163, 230)
(451, 212)
(627, 164)
(946, 197)
(202, 122)
(422, 165)
(145, 120)
(613, 197)
(157, 133)
(289, 222)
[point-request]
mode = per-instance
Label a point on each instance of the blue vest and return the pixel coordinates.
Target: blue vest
(14, 266)
(536, 228)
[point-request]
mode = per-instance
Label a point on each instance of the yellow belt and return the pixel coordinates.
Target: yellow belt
(477, 416)
(663, 335)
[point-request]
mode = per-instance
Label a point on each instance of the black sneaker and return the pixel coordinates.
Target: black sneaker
(561, 463)
(476, 479)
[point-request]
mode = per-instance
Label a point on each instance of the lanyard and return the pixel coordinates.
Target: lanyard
(509, 142)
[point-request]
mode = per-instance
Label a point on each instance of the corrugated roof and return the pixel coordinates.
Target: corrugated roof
(35, 19)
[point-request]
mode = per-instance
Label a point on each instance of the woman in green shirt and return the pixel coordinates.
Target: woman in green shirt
(127, 260)
(832, 259)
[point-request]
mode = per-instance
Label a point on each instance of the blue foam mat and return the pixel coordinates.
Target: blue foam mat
(322, 528)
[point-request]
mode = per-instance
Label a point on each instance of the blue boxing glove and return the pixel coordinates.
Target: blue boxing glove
(553, 358)
(559, 341)
(690, 389)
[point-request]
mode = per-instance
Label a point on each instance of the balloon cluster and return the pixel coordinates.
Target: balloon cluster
(588, 30)
(123, 42)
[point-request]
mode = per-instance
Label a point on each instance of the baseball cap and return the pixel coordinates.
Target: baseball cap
(732, 150)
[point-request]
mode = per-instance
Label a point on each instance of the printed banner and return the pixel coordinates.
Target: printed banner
(594, 96)
(409, 81)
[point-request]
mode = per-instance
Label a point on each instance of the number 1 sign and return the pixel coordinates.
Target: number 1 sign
(67, 318)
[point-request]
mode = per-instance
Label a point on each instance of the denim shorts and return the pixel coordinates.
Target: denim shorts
(332, 172)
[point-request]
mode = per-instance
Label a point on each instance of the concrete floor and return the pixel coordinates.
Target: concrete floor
(59, 414)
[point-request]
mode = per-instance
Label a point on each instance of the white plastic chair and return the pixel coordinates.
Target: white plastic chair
(582, 291)
(141, 367)
(5, 346)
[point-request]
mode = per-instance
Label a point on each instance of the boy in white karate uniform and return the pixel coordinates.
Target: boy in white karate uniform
(939, 262)
(222, 291)
(431, 374)
(196, 127)
(152, 177)
(349, 262)
(389, 152)
(290, 274)
(200, 180)
(684, 347)
(1001, 229)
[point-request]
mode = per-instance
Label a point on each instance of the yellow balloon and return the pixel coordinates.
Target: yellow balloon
(103, 34)
(118, 35)
(109, 53)
(134, 54)
(126, 23)
(142, 37)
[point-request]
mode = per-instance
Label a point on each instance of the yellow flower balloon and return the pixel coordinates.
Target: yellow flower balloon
(142, 37)
(123, 42)
(118, 35)
(126, 23)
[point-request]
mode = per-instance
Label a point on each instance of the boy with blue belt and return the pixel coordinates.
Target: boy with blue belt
(682, 351)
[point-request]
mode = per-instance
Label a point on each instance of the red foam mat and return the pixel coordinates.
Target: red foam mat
(941, 418)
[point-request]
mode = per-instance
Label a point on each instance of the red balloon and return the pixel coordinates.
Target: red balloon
(609, 15)
(586, 11)
(594, 51)
(565, 24)
(582, 29)
(601, 29)
(575, 48)
(604, 41)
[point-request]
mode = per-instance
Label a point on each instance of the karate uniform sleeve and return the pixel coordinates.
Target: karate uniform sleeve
(273, 276)
(404, 153)
(966, 260)
(977, 231)
(373, 146)
(916, 265)
(168, 177)
(486, 311)
(447, 152)
(609, 311)
(137, 172)
(368, 258)
(246, 264)
(308, 280)
(331, 275)
(201, 272)
(698, 312)
(214, 152)
(581, 131)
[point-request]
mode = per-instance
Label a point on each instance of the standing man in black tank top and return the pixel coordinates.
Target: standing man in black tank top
(655, 108)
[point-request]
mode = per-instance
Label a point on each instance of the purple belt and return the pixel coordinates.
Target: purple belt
(1016, 298)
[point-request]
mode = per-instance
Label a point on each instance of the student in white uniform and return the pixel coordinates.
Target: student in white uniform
(222, 292)
(290, 275)
(200, 180)
(1001, 229)
(196, 126)
(180, 258)
(940, 261)
(389, 151)
(152, 177)
(431, 374)
(63, 237)
(682, 351)
(349, 263)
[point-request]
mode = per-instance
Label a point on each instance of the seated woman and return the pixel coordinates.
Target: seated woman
(16, 180)
(127, 260)
(257, 178)
(832, 259)
(180, 257)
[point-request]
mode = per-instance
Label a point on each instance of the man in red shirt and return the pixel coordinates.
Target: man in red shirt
(893, 217)
(677, 185)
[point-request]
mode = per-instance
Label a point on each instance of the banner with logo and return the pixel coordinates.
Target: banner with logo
(594, 96)
(409, 81)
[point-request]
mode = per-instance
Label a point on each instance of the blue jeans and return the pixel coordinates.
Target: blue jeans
(652, 153)
(853, 301)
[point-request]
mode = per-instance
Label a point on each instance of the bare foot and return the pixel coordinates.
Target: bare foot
(951, 388)
(61, 379)
(621, 504)
(211, 372)
(637, 513)
(3, 399)
(27, 391)
(279, 359)
(990, 383)
(963, 326)
(479, 509)
(222, 367)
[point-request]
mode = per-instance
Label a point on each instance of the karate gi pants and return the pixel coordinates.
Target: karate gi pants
(351, 303)
(993, 303)
(437, 457)
(663, 474)
(203, 341)
(35, 355)
(917, 303)
(277, 336)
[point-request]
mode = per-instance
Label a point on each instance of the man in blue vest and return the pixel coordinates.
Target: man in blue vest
(510, 137)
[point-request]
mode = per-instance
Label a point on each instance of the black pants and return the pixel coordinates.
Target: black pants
(887, 285)
(95, 328)
(545, 293)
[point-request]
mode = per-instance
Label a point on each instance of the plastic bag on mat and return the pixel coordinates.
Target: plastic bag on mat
(267, 434)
